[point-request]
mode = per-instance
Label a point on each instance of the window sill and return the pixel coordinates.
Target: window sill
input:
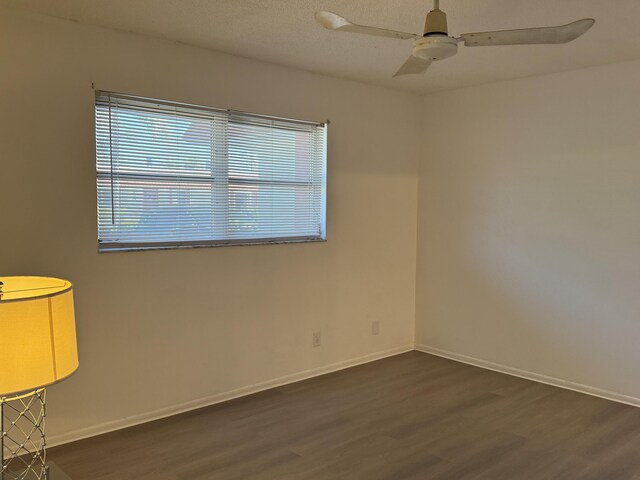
(180, 245)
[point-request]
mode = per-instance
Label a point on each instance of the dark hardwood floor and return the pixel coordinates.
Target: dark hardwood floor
(413, 416)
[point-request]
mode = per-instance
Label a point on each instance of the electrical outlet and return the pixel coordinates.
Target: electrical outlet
(375, 327)
(316, 339)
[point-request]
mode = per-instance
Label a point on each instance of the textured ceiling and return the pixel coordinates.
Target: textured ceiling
(284, 32)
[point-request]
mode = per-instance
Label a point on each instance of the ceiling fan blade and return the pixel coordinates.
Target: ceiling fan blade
(333, 21)
(529, 36)
(414, 65)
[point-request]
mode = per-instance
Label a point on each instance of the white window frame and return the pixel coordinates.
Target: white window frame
(219, 170)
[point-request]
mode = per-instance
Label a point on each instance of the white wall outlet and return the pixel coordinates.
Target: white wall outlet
(375, 327)
(316, 339)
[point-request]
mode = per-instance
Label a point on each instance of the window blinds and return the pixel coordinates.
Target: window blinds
(173, 175)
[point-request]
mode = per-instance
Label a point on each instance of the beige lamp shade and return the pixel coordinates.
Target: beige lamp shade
(37, 333)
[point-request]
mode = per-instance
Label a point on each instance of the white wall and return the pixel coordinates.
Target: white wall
(529, 226)
(160, 329)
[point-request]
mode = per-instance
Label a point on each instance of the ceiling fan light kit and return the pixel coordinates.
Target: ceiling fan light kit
(436, 44)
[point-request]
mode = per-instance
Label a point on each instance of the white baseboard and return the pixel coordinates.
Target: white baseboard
(107, 427)
(536, 377)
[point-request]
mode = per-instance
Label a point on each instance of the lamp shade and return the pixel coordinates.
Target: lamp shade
(37, 333)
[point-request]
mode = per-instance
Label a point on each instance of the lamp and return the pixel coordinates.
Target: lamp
(37, 349)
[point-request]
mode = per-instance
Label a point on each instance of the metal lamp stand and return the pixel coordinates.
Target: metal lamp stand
(22, 440)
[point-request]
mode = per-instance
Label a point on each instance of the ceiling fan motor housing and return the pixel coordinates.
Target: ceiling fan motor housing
(435, 47)
(436, 23)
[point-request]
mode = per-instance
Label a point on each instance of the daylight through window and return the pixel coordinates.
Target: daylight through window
(172, 175)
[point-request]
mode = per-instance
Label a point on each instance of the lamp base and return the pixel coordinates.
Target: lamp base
(55, 473)
(22, 442)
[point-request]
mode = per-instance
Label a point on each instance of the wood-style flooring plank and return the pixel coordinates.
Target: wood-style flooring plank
(409, 417)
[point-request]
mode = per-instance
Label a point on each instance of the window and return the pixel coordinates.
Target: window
(173, 175)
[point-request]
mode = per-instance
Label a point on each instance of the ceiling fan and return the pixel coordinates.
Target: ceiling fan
(436, 44)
